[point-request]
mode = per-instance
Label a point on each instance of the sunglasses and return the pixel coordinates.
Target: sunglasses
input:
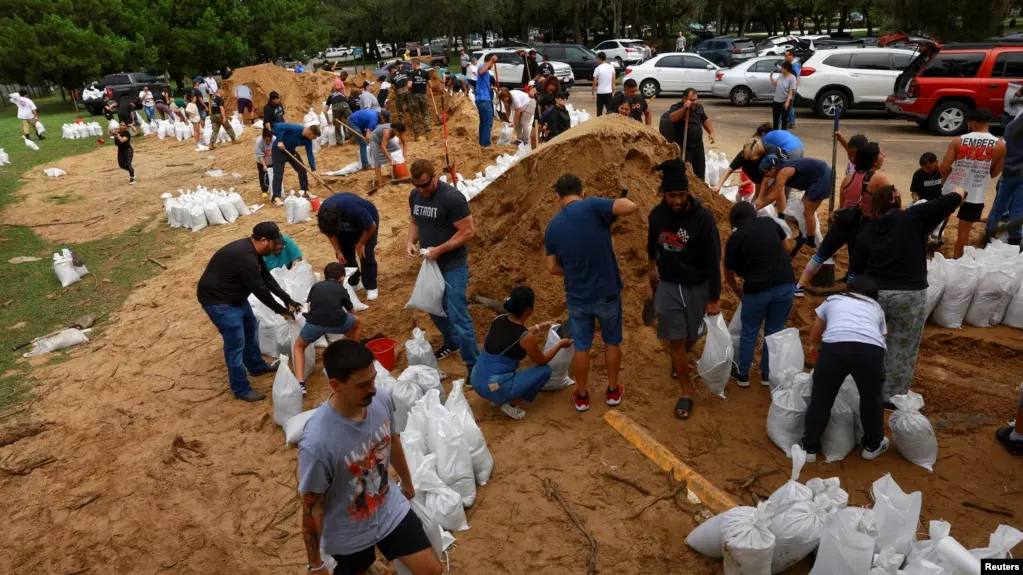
(423, 185)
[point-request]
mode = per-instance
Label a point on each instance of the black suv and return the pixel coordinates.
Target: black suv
(581, 59)
(726, 51)
(126, 88)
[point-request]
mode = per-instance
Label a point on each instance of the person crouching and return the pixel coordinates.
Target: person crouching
(330, 313)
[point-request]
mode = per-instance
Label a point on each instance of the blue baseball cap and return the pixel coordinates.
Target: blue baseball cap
(769, 161)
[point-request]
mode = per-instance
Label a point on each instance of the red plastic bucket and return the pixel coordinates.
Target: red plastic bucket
(383, 350)
(401, 171)
(315, 203)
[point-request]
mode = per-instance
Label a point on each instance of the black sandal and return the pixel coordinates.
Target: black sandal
(683, 408)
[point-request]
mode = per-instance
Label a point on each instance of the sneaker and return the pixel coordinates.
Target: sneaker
(443, 352)
(372, 294)
(889, 406)
(581, 403)
(274, 365)
(266, 196)
(302, 385)
(41, 137)
(278, 202)
(741, 380)
(513, 411)
(868, 454)
(131, 182)
(1013, 446)
(253, 396)
(799, 292)
(615, 397)
(765, 380)
(358, 286)
(811, 457)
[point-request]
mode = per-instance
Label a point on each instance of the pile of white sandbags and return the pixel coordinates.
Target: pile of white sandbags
(577, 116)
(79, 130)
(297, 209)
(716, 165)
(983, 288)
(472, 188)
(203, 207)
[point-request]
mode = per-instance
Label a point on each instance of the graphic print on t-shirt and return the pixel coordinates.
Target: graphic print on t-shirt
(368, 466)
(425, 211)
(971, 169)
(674, 242)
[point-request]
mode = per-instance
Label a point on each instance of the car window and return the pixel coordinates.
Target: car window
(717, 45)
(478, 56)
(555, 53)
(669, 62)
(901, 61)
(146, 79)
(743, 44)
(694, 62)
(633, 44)
(1008, 65)
(838, 60)
(965, 65)
(508, 58)
(574, 53)
(766, 65)
(875, 61)
(115, 79)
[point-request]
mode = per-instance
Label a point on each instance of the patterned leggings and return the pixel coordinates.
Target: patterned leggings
(905, 312)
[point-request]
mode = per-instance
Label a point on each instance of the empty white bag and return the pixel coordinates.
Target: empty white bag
(896, 513)
(843, 549)
(912, 431)
(445, 440)
(482, 461)
(419, 352)
(559, 364)
(999, 543)
(961, 279)
(786, 418)
(715, 364)
(735, 331)
(287, 394)
(748, 544)
(428, 295)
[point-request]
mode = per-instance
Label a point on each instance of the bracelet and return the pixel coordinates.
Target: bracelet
(320, 568)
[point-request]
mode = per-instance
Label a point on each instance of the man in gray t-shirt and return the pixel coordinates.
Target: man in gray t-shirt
(350, 504)
(784, 95)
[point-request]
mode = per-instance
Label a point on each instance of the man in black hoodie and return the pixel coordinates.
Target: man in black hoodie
(684, 252)
(273, 112)
(558, 120)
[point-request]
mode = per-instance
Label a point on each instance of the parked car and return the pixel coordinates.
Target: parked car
(775, 45)
(510, 65)
(428, 55)
(622, 51)
(579, 58)
(747, 82)
(849, 77)
(726, 51)
(126, 88)
(673, 72)
(944, 83)
(338, 53)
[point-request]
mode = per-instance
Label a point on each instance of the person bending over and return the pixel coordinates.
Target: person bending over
(351, 224)
(330, 313)
(808, 174)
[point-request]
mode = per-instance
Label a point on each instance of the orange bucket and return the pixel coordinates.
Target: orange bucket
(401, 172)
(383, 350)
(315, 203)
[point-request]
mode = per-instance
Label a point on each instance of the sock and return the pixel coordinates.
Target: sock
(1015, 436)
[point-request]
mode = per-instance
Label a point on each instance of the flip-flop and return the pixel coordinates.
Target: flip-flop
(683, 405)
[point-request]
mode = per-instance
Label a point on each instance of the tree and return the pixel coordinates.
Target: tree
(284, 29)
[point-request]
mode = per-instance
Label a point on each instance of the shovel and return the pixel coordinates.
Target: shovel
(84, 322)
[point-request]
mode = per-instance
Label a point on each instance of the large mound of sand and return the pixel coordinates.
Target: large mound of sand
(299, 92)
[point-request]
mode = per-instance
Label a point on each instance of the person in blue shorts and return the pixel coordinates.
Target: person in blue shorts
(330, 313)
(578, 247)
(808, 174)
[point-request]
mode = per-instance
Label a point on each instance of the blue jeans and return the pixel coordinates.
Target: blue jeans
(150, 112)
(510, 384)
(792, 115)
(607, 313)
(238, 326)
(363, 152)
(1009, 197)
(457, 328)
(771, 308)
(486, 109)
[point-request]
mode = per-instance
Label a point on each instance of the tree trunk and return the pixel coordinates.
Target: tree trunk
(869, 22)
(577, 32)
(843, 18)
(720, 21)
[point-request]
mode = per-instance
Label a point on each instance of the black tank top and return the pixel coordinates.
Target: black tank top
(503, 338)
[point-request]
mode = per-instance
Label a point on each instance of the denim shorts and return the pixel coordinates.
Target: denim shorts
(607, 312)
(311, 333)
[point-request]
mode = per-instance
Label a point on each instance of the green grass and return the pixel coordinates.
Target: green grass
(31, 292)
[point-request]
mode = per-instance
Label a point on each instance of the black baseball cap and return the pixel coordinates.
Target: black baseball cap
(274, 95)
(547, 69)
(267, 231)
(562, 95)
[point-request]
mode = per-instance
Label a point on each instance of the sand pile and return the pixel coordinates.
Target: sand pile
(356, 80)
(298, 92)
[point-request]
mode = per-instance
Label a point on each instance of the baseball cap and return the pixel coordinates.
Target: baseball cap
(197, 79)
(769, 161)
(547, 69)
(386, 114)
(267, 231)
(274, 95)
(562, 95)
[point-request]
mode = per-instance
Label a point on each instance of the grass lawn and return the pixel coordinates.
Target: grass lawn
(31, 296)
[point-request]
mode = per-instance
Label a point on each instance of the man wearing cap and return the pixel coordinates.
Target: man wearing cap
(365, 121)
(289, 137)
(402, 87)
(339, 109)
(418, 106)
(531, 67)
(273, 112)
(684, 255)
(234, 272)
(808, 174)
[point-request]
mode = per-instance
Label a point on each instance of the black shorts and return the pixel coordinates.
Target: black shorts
(970, 212)
(407, 538)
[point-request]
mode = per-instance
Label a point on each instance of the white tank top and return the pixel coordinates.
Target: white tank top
(971, 170)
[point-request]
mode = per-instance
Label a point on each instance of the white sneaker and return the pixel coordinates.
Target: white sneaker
(372, 294)
(868, 455)
(513, 411)
(358, 286)
(811, 457)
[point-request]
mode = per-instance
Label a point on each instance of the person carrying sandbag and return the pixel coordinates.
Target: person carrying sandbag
(125, 153)
(350, 504)
(233, 273)
(27, 113)
(508, 341)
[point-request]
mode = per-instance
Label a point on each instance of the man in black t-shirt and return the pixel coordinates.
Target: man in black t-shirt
(441, 224)
(402, 85)
(217, 113)
(273, 113)
(419, 108)
(696, 124)
(200, 98)
(926, 183)
(638, 108)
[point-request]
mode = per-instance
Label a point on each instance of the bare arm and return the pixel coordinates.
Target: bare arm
(817, 331)
(623, 207)
(413, 238)
(731, 281)
(709, 128)
(465, 230)
(950, 156)
(789, 244)
(773, 80)
(532, 346)
(728, 173)
(554, 266)
(366, 235)
(312, 525)
(842, 189)
(400, 464)
(842, 140)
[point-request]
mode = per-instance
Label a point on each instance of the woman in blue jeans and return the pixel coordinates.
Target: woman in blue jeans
(496, 377)
(758, 252)
(485, 99)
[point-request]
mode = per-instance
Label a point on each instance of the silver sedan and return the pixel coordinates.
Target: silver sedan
(747, 82)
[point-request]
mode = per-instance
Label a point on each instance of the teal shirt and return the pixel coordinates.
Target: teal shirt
(288, 255)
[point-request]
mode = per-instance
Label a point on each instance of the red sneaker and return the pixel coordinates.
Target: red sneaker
(615, 397)
(581, 403)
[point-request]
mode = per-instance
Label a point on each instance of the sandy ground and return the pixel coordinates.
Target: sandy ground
(157, 469)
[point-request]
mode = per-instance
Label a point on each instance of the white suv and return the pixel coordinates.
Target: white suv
(854, 77)
(510, 67)
(623, 51)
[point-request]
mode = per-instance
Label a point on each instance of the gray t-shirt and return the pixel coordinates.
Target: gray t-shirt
(347, 461)
(435, 218)
(367, 101)
(785, 84)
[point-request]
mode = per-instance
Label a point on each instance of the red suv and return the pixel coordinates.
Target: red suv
(944, 83)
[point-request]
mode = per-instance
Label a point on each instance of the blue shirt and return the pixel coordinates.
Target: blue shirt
(291, 136)
(357, 214)
(365, 120)
(288, 255)
(796, 68)
(580, 237)
(783, 139)
(483, 87)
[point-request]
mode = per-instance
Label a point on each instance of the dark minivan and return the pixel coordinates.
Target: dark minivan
(726, 51)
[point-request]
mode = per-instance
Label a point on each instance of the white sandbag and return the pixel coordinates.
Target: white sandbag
(935, 282)
(786, 418)
(998, 284)
(955, 558)
(922, 567)
(507, 135)
(40, 128)
(419, 352)
(999, 543)
(197, 218)
(442, 504)
(560, 363)
(357, 304)
(213, 214)
(785, 351)
(227, 209)
(961, 279)
(1014, 311)
(797, 531)
(297, 281)
(912, 432)
(832, 488)
(428, 295)
(287, 394)
(423, 377)
(927, 549)
(887, 562)
(897, 514)
(239, 204)
(275, 334)
(715, 365)
(302, 209)
(839, 438)
(843, 549)
(748, 544)
(406, 394)
(289, 207)
(430, 525)
(63, 340)
(735, 332)
(850, 394)
(64, 268)
(792, 490)
(294, 427)
(54, 172)
(804, 383)
(31, 145)
(706, 538)
(445, 440)
(482, 460)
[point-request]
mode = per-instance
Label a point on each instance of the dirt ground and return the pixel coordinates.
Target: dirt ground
(156, 469)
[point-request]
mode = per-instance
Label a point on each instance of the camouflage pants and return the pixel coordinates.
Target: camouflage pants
(218, 121)
(420, 111)
(340, 111)
(402, 102)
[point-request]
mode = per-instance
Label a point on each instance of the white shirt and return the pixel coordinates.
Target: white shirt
(972, 169)
(26, 107)
(472, 71)
(211, 85)
(385, 85)
(147, 98)
(243, 92)
(519, 100)
(680, 44)
(604, 76)
(853, 318)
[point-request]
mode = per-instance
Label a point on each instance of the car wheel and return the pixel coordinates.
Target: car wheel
(721, 63)
(650, 88)
(741, 96)
(949, 119)
(829, 101)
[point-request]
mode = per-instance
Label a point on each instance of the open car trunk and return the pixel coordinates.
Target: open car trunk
(926, 49)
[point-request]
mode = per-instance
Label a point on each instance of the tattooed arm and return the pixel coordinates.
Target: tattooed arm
(312, 527)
